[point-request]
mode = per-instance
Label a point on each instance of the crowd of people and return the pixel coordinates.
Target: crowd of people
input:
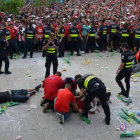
(80, 25)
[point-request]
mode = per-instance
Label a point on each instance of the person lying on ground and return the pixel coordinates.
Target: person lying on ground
(21, 95)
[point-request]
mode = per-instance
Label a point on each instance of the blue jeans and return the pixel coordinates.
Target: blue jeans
(66, 115)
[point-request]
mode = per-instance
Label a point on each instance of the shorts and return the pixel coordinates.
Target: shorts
(19, 95)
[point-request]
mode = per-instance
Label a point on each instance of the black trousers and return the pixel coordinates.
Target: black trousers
(90, 44)
(29, 45)
(124, 73)
(100, 92)
(51, 58)
(61, 48)
(103, 40)
(12, 47)
(74, 45)
(3, 57)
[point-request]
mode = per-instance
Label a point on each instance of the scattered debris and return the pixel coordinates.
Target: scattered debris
(18, 137)
(85, 119)
(127, 101)
(87, 62)
(28, 74)
(117, 129)
(126, 118)
(131, 115)
(33, 106)
(123, 127)
(130, 134)
(63, 70)
(9, 104)
(138, 113)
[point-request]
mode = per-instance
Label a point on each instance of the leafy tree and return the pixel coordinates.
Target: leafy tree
(11, 6)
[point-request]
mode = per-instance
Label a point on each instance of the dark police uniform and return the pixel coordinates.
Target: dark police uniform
(29, 42)
(94, 88)
(3, 55)
(51, 57)
(74, 43)
(113, 34)
(46, 33)
(127, 58)
(91, 40)
(137, 38)
(61, 32)
(7, 35)
(125, 32)
(103, 37)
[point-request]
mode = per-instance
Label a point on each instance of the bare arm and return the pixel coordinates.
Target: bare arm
(120, 67)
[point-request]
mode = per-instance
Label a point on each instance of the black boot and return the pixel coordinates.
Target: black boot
(24, 57)
(107, 121)
(38, 87)
(7, 72)
(1, 72)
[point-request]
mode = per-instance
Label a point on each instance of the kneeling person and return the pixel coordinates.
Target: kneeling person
(62, 103)
(93, 87)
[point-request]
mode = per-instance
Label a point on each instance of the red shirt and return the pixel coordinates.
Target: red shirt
(138, 55)
(39, 31)
(66, 30)
(13, 32)
(63, 100)
(51, 86)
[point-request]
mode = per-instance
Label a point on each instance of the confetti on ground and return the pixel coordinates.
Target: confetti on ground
(63, 70)
(87, 62)
(28, 74)
(18, 137)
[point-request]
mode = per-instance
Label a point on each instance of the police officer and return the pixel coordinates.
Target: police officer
(3, 56)
(46, 32)
(29, 40)
(137, 39)
(51, 57)
(91, 43)
(124, 70)
(7, 36)
(114, 28)
(93, 87)
(74, 39)
(60, 36)
(125, 32)
(103, 36)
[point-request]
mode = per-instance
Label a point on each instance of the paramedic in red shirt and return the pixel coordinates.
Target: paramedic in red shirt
(62, 103)
(13, 41)
(51, 86)
(39, 36)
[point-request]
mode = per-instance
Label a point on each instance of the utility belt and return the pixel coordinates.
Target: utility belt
(87, 80)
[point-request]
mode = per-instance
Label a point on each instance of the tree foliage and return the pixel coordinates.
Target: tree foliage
(11, 6)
